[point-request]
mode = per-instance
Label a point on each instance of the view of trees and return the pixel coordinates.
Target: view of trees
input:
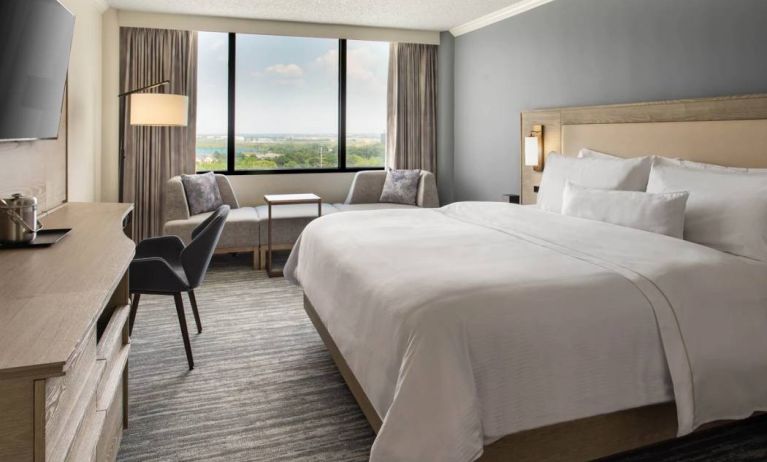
(268, 153)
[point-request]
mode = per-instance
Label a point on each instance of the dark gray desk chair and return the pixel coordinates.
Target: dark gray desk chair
(164, 266)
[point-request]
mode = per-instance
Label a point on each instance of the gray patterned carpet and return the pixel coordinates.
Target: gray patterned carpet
(265, 389)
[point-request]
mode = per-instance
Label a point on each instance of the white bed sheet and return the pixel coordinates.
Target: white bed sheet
(470, 322)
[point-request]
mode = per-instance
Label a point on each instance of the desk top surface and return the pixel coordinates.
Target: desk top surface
(51, 297)
(276, 199)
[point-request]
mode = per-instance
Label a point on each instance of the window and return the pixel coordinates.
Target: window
(290, 104)
(212, 96)
(367, 66)
(286, 103)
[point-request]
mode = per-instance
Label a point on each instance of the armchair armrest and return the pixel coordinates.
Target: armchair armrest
(227, 192)
(165, 247)
(366, 187)
(154, 274)
(176, 206)
(428, 196)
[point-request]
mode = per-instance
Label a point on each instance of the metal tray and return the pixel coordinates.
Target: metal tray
(44, 238)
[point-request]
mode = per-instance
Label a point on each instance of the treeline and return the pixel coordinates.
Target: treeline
(295, 155)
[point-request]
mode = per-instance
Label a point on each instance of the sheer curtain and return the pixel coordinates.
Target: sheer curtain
(411, 141)
(155, 154)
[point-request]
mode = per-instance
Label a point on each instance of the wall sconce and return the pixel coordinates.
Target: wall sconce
(534, 148)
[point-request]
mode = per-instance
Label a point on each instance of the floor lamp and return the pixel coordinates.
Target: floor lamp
(150, 109)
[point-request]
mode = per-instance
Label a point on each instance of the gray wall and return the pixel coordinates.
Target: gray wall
(445, 133)
(585, 52)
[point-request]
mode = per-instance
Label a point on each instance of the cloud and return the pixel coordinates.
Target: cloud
(285, 71)
(328, 60)
(361, 63)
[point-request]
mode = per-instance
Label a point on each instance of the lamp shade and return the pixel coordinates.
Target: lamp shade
(531, 151)
(159, 109)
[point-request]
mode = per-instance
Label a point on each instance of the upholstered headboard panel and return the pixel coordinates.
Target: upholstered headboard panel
(729, 131)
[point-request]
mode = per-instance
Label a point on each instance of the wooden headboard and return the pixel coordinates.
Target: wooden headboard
(729, 131)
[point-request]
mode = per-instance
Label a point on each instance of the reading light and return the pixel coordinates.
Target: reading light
(151, 109)
(159, 109)
(534, 148)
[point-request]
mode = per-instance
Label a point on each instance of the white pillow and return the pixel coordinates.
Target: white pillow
(591, 154)
(726, 210)
(656, 213)
(586, 153)
(705, 166)
(624, 174)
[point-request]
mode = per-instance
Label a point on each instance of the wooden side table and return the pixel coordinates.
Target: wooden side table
(285, 199)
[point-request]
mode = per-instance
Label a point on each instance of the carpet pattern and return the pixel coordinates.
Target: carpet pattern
(744, 441)
(264, 387)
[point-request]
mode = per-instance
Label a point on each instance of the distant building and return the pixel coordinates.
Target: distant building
(268, 155)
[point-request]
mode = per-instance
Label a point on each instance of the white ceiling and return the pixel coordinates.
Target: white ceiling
(436, 15)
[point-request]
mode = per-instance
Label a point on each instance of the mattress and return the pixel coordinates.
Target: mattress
(477, 320)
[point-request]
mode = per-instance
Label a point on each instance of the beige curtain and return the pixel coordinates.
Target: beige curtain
(411, 140)
(155, 154)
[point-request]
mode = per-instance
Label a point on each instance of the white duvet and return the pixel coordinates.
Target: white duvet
(476, 320)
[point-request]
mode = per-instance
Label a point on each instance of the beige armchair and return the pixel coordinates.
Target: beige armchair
(241, 231)
(367, 187)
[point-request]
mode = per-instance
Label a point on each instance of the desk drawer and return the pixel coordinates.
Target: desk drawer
(84, 445)
(66, 395)
(112, 431)
(115, 335)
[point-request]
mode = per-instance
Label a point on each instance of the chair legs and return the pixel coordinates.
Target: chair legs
(181, 320)
(193, 300)
(133, 309)
(184, 331)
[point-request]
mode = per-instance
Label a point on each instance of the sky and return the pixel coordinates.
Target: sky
(290, 85)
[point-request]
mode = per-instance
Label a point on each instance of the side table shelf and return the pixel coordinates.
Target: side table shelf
(285, 199)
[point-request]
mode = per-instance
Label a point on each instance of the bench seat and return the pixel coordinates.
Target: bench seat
(246, 227)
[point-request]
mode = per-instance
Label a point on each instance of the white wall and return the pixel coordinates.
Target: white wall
(68, 168)
(332, 187)
(85, 109)
(110, 88)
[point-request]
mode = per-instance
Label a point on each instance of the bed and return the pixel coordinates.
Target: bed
(487, 331)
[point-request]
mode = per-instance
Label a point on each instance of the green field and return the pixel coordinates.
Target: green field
(289, 153)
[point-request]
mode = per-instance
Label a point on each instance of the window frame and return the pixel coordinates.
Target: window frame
(231, 111)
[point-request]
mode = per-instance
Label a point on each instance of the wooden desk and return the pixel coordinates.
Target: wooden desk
(285, 199)
(63, 339)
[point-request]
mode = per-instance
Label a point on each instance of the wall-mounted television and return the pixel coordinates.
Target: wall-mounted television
(35, 40)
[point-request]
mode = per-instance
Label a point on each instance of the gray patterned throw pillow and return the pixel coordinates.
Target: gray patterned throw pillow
(202, 192)
(401, 187)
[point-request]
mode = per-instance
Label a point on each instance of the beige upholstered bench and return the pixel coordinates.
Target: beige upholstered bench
(241, 232)
(246, 227)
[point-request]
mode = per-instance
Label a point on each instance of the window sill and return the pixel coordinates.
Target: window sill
(292, 171)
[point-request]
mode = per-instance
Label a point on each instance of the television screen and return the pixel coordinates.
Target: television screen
(35, 39)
